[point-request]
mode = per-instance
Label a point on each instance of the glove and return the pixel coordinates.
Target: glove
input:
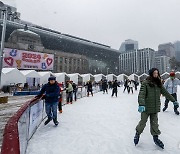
(176, 104)
(141, 109)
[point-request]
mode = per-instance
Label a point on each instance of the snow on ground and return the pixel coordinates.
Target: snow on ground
(105, 125)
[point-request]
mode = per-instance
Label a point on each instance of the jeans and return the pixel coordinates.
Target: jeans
(51, 110)
(69, 96)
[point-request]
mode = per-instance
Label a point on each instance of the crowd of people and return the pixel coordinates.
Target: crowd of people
(149, 98)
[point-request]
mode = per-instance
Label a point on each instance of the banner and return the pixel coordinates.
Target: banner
(36, 116)
(27, 59)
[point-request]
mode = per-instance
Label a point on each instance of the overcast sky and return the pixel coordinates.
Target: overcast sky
(110, 22)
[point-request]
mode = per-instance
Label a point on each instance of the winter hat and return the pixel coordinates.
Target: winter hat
(152, 70)
(172, 74)
(51, 78)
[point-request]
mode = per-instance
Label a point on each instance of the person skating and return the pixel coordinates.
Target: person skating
(104, 86)
(52, 93)
(61, 97)
(126, 86)
(75, 88)
(171, 86)
(114, 91)
(89, 88)
(149, 105)
(130, 85)
(69, 92)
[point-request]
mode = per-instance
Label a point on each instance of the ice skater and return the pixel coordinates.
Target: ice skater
(171, 86)
(52, 94)
(149, 105)
(114, 91)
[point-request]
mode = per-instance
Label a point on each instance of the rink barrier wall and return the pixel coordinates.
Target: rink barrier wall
(24, 123)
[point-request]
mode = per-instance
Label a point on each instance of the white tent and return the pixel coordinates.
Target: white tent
(111, 77)
(143, 76)
(178, 75)
(165, 76)
(87, 77)
(98, 77)
(45, 76)
(76, 78)
(3, 79)
(13, 76)
(122, 77)
(61, 77)
(32, 77)
(133, 77)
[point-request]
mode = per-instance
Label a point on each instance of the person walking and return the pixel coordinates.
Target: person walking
(130, 85)
(75, 88)
(69, 92)
(89, 88)
(51, 93)
(171, 86)
(149, 105)
(114, 91)
(104, 86)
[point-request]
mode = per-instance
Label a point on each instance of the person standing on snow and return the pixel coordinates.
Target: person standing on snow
(171, 86)
(89, 88)
(149, 105)
(126, 85)
(75, 88)
(69, 92)
(114, 91)
(130, 85)
(104, 86)
(52, 93)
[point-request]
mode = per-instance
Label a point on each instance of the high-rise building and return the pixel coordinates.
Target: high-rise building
(136, 61)
(162, 63)
(177, 50)
(166, 49)
(128, 45)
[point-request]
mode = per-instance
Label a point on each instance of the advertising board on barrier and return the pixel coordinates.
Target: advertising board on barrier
(23, 126)
(27, 59)
(36, 116)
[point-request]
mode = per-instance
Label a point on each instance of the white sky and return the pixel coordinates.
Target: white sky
(151, 22)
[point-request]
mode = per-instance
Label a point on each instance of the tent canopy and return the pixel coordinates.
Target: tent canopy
(76, 78)
(44, 76)
(30, 73)
(62, 77)
(111, 77)
(122, 77)
(13, 76)
(98, 77)
(87, 77)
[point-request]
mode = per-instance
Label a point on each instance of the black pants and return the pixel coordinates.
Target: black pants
(105, 90)
(130, 88)
(167, 101)
(60, 105)
(126, 87)
(75, 96)
(69, 96)
(114, 91)
(89, 91)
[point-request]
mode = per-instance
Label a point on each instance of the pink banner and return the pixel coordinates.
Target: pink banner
(27, 59)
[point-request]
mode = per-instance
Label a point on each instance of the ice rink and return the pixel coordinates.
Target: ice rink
(105, 125)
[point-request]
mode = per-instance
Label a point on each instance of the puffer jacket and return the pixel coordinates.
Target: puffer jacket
(149, 96)
(171, 85)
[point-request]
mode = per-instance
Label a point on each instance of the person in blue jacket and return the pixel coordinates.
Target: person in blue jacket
(51, 93)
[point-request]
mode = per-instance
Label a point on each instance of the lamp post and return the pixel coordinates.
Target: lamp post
(6, 11)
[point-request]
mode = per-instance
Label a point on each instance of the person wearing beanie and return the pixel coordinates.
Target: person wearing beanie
(51, 93)
(149, 105)
(171, 86)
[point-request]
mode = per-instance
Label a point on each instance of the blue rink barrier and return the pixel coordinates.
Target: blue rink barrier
(23, 93)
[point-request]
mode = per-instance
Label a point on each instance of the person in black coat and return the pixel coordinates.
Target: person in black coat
(75, 88)
(51, 93)
(115, 85)
(104, 86)
(89, 88)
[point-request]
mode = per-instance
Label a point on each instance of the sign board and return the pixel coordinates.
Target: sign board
(22, 59)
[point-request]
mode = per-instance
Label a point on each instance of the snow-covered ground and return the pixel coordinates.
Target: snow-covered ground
(105, 125)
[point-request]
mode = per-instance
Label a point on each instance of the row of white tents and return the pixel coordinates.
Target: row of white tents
(14, 76)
